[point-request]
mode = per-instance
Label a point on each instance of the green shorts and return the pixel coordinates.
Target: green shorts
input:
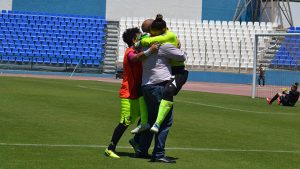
(130, 111)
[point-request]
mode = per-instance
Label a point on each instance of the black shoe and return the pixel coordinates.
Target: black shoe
(163, 160)
(134, 145)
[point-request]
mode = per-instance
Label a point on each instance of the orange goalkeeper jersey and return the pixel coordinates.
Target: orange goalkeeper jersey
(132, 78)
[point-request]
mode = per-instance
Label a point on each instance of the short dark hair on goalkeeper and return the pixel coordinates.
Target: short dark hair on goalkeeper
(130, 34)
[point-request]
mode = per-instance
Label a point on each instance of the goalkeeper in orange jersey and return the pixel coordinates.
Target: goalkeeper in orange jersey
(132, 102)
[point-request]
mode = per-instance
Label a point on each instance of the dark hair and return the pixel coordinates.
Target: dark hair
(295, 85)
(158, 23)
(130, 34)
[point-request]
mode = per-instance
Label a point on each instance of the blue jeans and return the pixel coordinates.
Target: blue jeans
(153, 95)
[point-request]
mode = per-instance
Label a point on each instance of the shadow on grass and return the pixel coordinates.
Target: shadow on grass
(126, 154)
(132, 155)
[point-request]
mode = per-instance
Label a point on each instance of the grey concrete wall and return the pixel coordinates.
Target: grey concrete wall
(187, 9)
(5, 4)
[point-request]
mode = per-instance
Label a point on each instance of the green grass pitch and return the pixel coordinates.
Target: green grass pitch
(65, 124)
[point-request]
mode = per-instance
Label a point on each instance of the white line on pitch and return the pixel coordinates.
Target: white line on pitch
(242, 110)
(203, 104)
(104, 90)
(170, 148)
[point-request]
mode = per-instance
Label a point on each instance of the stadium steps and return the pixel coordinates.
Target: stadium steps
(112, 33)
(271, 52)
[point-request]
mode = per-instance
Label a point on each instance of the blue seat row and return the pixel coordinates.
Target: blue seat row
(284, 63)
(54, 33)
(52, 46)
(53, 19)
(283, 57)
(50, 15)
(54, 25)
(51, 49)
(54, 38)
(43, 53)
(294, 30)
(49, 53)
(49, 28)
(48, 39)
(90, 62)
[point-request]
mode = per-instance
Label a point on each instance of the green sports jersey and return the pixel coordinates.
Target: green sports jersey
(167, 38)
(143, 36)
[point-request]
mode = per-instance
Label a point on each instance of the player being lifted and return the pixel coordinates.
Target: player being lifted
(132, 102)
(160, 34)
(286, 98)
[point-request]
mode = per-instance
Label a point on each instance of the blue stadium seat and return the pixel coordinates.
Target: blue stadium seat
(19, 59)
(4, 58)
(40, 60)
(96, 62)
(29, 51)
(85, 20)
(26, 60)
(72, 56)
(47, 60)
(293, 63)
(280, 62)
(54, 60)
(274, 62)
(68, 61)
(33, 59)
(22, 51)
(79, 57)
(5, 16)
(89, 62)
(75, 62)
(65, 56)
(286, 63)
(86, 57)
(12, 59)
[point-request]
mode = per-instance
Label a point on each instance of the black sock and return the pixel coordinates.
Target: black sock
(118, 132)
(274, 98)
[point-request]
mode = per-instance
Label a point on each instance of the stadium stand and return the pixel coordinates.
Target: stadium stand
(218, 44)
(51, 39)
(288, 55)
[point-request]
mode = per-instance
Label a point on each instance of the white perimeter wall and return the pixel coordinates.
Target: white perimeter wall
(295, 8)
(187, 9)
(5, 4)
